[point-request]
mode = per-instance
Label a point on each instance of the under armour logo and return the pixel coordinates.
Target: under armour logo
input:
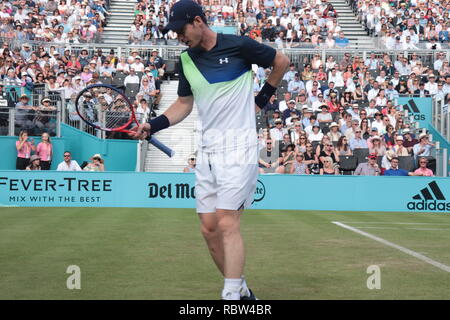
(171, 14)
(223, 60)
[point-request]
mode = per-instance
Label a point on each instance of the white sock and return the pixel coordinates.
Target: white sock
(231, 289)
(244, 289)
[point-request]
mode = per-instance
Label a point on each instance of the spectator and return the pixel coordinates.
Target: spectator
(278, 132)
(395, 170)
(299, 166)
(295, 85)
(399, 149)
(24, 148)
(132, 78)
(68, 164)
(191, 164)
(288, 158)
(342, 41)
(269, 159)
(96, 164)
(369, 168)
(329, 168)
(376, 146)
(423, 148)
(45, 150)
(358, 142)
(423, 170)
(342, 147)
(409, 142)
(34, 163)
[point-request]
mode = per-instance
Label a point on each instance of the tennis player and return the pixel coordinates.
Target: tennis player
(216, 73)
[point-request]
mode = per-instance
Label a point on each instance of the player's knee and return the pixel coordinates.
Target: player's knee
(208, 230)
(228, 225)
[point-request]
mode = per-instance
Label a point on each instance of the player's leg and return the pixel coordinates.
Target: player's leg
(213, 237)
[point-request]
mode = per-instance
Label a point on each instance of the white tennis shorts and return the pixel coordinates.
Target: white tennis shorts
(226, 180)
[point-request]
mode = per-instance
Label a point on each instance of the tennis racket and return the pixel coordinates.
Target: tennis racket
(107, 108)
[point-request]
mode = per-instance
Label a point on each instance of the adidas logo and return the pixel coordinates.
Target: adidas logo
(413, 109)
(429, 198)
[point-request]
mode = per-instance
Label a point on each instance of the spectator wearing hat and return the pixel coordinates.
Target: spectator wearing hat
(334, 133)
(423, 148)
(431, 86)
(24, 113)
(399, 148)
(34, 163)
(158, 61)
(376, 145)
(423, 170)
(395, 170)
(271, 121)
(369, 168)
(278, 131)
(68, 164)
(191, 164)
(290, 109)
(96, 164)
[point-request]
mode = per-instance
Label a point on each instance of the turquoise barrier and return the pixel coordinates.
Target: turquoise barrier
(177, 190)
(118, 154)
(419, 108)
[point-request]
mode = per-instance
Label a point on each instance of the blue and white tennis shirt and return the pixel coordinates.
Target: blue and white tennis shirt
(221, 83)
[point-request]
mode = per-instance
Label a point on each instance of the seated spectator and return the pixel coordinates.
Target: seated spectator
(191, 164)
(409, 142)
(299, 166)
(324, 116)
(423, 170)
(329, 168)
(334, 133)
(423, 148)
(342, 148)
(358, 142)
(315, 135)
(68, 164)
(34, 163)
(399, 149)
(96, 164)
(269, 159)
(278, 132)
(132, 78)
(288, 158)
(376, 146)
(369, 168)
(395, 170)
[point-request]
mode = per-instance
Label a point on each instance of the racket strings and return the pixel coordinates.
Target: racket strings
(105, 108)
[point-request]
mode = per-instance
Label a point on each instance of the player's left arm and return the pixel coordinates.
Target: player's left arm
(265, 56)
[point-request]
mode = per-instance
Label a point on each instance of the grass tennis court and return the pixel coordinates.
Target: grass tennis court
(159, 254)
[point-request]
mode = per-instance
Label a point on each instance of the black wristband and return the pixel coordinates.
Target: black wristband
(159, 123)
(264, 95)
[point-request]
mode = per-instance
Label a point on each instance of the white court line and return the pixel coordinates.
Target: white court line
(396, 222)
(396, 246)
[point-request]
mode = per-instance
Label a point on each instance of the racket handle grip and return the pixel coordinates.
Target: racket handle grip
(161, 146)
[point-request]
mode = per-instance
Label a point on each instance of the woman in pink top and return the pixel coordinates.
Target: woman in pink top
(45, 151)
(423, 170)
(24, 149)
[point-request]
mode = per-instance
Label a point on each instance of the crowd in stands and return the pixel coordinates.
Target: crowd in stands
(406, 25)
(58, 21)
(286, 23)
(335, 117)
(35, 80)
